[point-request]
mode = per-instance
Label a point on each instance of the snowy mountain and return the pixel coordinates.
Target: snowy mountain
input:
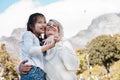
(104, 24)
(13, 42)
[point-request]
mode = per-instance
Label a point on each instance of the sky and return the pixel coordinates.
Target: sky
(74, 15)
(4, 4)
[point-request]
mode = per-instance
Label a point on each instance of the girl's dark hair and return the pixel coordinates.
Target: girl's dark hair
(32, 20)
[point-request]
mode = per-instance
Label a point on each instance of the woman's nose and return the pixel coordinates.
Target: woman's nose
(51, 25)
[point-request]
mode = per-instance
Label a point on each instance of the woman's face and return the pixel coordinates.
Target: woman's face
(51, 29)
(39, 26)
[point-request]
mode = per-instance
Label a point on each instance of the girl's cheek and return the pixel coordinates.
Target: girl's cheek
(39, 25)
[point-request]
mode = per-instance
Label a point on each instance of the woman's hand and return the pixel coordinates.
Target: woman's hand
(24, 68)
(57, 37)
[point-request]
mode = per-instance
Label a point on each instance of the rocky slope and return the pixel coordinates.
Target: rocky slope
(104, 24)
(12, 43)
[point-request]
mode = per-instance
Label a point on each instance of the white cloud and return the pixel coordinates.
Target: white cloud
(75, 15)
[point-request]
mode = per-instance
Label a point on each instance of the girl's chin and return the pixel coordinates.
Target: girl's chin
(42, 32)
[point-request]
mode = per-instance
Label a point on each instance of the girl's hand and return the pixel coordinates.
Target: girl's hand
(48, 43)
(49, 40)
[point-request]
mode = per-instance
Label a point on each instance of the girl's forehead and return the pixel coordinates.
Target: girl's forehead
(40, 18)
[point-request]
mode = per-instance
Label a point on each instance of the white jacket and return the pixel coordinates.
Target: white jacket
(31, 50)
(61, 62)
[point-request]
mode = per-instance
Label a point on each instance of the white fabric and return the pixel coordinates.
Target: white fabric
(31, 50)
(61, 62)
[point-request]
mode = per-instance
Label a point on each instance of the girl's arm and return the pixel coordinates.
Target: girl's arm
(29, 47)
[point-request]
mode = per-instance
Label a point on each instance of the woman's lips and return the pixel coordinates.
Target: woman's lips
(51, 31)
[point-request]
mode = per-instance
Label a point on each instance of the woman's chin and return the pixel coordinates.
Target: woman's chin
(49, 35)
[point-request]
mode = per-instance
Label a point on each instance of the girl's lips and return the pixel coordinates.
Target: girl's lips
(41, 28)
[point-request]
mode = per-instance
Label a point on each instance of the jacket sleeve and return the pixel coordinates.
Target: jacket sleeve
(68, 57)
(28, 45)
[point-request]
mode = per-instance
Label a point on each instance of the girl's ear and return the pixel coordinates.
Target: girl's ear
(31, 27)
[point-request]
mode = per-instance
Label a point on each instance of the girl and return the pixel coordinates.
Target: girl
(31, 49)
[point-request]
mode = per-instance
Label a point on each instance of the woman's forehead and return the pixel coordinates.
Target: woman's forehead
(52, 22)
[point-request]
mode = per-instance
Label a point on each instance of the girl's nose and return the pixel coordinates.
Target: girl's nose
(44, 25)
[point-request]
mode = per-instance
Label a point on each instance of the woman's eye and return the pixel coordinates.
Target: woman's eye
(48, 24)
(39, 22)
(55, 25)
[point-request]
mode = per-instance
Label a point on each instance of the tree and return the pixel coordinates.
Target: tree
(104, 50)
(83, 63)
(8, 64)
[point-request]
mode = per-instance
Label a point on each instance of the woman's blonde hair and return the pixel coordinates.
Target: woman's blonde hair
(60, 27)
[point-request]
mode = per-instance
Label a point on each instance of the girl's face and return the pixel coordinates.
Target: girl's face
(39, 26)
(51, 29)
